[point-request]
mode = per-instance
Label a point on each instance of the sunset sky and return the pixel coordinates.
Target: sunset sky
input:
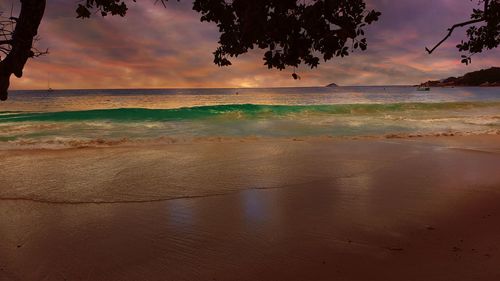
(154, 47)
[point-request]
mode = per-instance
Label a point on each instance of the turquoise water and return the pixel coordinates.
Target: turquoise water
(231, 111)
(100, 117)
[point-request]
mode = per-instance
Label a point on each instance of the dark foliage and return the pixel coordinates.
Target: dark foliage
(17, 37)
(291, 31)
(484, 77)
(483, 37)
(483, 33)
(477, 78)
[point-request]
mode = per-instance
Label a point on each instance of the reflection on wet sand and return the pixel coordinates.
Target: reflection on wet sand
(363, 211)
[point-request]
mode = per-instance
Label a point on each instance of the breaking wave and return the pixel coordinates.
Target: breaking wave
(131, 126)
(233, 110)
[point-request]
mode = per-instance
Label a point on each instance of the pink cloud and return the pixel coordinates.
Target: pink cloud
(155, 47)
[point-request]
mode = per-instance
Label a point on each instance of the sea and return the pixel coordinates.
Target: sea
(80, 118)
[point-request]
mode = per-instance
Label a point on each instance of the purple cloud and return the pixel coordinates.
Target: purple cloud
(155, 47)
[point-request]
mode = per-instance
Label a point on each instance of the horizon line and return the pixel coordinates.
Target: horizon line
(213, 88)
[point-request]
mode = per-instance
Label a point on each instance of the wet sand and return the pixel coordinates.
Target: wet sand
(403, 209)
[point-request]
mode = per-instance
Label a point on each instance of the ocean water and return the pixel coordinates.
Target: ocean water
(69, 118)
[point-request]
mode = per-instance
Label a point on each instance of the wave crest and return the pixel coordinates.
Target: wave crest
(247, 111)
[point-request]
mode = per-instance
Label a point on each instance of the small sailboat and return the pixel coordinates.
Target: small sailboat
(49, 89)
(423, 88)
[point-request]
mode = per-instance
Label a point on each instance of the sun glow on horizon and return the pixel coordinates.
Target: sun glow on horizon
(154, 47)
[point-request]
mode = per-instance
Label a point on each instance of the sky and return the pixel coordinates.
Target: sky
(157, 47)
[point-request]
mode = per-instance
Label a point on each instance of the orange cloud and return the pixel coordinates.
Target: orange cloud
(155, 47)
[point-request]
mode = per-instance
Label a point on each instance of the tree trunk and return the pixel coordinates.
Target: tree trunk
(22, 41)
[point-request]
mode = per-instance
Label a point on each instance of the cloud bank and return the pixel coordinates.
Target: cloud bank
(154, 47)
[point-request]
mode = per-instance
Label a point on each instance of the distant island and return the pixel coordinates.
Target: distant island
(332, 85)
(484, 78)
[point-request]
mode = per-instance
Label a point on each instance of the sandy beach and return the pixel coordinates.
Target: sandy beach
(318, 209)
(249, 140)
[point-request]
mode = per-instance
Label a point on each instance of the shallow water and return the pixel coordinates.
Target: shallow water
(336, 210)
(89, 117)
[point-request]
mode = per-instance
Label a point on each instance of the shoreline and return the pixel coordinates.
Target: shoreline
(160, 141)
(125, 165)
(389, 209)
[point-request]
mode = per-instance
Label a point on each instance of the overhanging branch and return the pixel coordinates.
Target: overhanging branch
(462, 24)
(21, 43)
(450, 32)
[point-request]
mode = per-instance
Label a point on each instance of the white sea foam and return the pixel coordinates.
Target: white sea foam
(74, 119)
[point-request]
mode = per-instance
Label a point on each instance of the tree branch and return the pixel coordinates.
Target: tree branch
(22, 41)
(450, 30)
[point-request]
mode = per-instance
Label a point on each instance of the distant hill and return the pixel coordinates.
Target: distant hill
(332, 85)
(485, 77)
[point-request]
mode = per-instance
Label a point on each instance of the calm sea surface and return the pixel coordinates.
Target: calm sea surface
(97, 117)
